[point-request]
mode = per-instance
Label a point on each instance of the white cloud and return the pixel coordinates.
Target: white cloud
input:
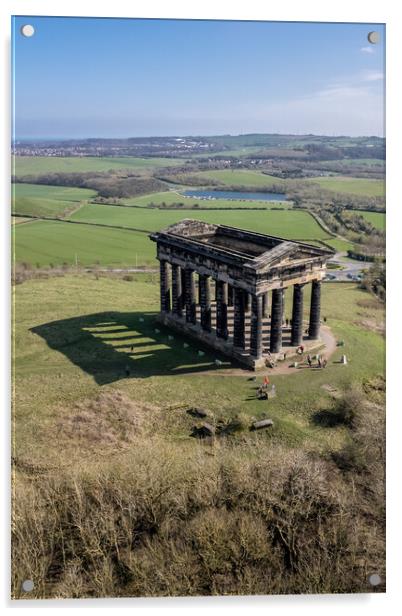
(367, 49)
(340, 92)
(373, 76)
(348, 106)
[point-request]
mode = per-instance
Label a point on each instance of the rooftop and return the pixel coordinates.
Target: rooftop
(256, 250)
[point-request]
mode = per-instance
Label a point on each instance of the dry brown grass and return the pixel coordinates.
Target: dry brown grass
(240, 517)
(109, 419)
(372, 325)
(371, 303)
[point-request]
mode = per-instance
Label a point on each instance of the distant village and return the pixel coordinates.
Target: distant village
(158, 146)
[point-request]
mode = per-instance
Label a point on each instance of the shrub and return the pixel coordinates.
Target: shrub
(349, 405)
(166, 520)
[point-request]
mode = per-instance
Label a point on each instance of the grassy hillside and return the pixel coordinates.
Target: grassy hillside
(36, 165)
(377, 219)
(41, 200)
(45, 242)
(109, 488)
(75, 333)
(355, 186)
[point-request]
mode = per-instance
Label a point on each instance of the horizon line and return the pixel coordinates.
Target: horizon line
(159, 136)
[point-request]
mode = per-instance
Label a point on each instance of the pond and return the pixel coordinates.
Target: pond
(234, 195)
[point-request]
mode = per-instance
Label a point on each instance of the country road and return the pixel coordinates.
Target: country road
(351, 270)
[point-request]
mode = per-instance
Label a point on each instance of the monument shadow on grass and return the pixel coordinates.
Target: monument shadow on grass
(92, 342)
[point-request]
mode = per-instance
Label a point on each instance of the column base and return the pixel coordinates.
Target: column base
(240, 356)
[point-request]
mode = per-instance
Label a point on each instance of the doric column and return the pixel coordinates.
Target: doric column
(183, 287)
(205, 301)
(315, 308)
(191, 315)
(198, 295)
(164, 286)
(256, 326)
(239, 333)
(275, 343)
(297, 315)
(222, 309)
(177, 300)
(246, 299)
(265, 305)
(230, 295)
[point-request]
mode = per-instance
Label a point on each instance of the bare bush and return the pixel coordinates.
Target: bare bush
(167, 519)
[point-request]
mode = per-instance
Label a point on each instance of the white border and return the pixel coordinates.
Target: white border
(295, 10)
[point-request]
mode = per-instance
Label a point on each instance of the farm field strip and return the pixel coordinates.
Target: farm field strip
(344, 184)
(291, 224)
(377, 219)
(240, 177)
(57, 242)
(36, 165)
(171, 196)
(44, 200)
(45, 191)
(355, 186)
(54, 242)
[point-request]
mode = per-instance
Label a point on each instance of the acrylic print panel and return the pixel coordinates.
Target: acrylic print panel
(199, 282)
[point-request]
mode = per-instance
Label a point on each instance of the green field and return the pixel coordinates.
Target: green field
(240, 177)
(353, 186)
(292, 224)
(377, 219)
(340, 245)
(34, 246)
(367, 162)
(43, 200)
(46, 242)
(171, 196)
(36, 165)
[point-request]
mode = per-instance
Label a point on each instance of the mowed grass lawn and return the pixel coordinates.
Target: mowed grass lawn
(36, 165)
(75, 336)
(41, 200)
(353, 186)
(292, 224)
(53, 242)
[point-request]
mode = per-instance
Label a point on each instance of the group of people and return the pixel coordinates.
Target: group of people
(321, 361)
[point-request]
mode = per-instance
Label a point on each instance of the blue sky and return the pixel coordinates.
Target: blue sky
(89, 77)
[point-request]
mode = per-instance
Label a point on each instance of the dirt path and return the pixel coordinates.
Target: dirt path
(327, 338)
